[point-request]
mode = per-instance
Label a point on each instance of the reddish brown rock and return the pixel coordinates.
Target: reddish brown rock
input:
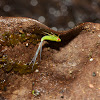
(66, 71)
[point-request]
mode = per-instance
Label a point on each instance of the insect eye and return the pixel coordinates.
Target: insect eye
(58, 39)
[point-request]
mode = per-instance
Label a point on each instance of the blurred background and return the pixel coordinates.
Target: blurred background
(57, 14)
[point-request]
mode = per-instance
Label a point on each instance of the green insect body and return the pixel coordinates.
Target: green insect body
(51, 38)
(47, 37)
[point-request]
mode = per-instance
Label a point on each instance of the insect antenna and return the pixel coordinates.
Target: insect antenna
(46, 33)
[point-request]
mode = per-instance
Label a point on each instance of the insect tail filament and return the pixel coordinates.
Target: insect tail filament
(36, 54)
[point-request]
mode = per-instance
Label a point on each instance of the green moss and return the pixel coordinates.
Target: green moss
(1, 66)
(17, 67)
(8, 67)
(90, 54)
(3, 85)
(13, 39)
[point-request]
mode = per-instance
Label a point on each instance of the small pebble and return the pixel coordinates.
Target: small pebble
(62, 97)
(82, 49)
(93, 74)
(33, 83)
(91, 59)
(91, 86)
(36, 70)
(26, 44)
(70, 72)
(99, 35)
(37, 93)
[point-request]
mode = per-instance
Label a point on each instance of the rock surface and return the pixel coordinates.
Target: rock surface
(69, 70)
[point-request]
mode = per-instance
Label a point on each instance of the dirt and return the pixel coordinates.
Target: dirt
(69, 70)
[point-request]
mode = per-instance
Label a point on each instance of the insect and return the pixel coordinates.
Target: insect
(51, 37)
